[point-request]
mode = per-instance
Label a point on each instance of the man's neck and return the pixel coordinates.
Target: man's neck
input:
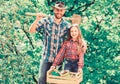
(57, 21)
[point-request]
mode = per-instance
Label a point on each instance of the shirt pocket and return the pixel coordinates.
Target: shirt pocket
(63, 32)
(48, 29)
(68, 51)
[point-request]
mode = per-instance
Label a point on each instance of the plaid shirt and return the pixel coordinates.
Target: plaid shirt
(69, 51)
(53, 34)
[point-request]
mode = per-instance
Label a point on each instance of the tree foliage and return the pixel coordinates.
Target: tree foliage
(20, 51)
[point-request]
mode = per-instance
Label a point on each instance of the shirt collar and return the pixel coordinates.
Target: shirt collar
(72, 40)
(61, 22)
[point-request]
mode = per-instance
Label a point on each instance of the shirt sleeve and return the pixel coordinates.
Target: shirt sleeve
(68, 25)
(81, 60)
(41, 24)
(60, 56)
(84, 46)
(81, 55)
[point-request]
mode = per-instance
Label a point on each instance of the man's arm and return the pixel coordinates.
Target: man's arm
(34, 24)
(33, 27)
(84, 46)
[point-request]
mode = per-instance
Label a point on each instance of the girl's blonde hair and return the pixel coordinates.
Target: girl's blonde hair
(79, 38)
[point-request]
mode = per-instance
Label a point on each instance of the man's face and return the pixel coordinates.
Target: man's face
(59, 13)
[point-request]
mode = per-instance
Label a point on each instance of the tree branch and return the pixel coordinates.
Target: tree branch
(33, 76)
(72, 6)
(27, 35)
(9, 47)
(48, 2)
(2, 46)
(98, 24)
(87, 5)
(16, 51)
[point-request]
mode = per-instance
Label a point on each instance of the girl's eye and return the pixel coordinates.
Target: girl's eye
(76, 30)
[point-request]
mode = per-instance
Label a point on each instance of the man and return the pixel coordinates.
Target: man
(54, 31)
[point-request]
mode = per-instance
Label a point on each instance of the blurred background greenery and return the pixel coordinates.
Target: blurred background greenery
(20, 51)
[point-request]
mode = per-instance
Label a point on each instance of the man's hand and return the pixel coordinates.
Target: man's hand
(84, 46)
(39, 16)
(52, 67)
(34, 25)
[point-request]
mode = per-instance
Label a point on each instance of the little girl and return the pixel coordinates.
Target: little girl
(72, 51)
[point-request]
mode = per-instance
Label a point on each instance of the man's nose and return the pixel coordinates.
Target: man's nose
(59, 11)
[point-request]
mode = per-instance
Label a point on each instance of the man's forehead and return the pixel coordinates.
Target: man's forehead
(58, 9)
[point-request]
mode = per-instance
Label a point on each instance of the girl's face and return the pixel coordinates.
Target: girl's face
(74, 32)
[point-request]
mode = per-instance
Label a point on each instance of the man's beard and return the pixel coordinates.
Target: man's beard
(58, 17)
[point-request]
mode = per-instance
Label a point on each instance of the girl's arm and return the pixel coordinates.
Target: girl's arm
(81, 57)
(84, 46)
(81, 61)
(60, 56)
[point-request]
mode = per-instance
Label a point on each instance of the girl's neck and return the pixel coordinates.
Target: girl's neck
(74, 39)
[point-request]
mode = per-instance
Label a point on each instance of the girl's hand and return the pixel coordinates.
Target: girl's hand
(80, 70)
